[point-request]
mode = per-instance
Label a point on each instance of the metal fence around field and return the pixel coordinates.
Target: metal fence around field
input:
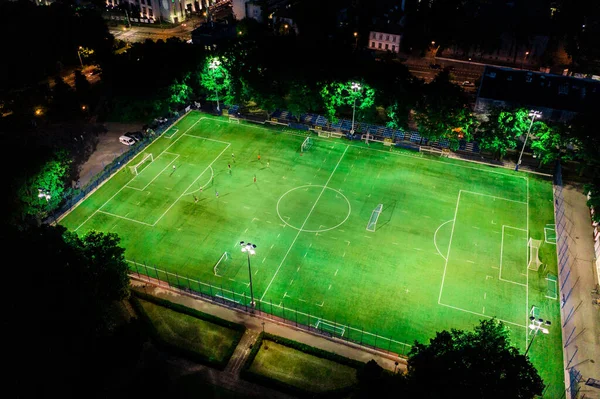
(567, 261)
(313, 323)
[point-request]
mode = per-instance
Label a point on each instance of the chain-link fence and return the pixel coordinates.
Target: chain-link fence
(276, 311)
(567, 261)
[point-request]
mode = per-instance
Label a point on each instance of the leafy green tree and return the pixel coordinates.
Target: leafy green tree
(480, 364)
(550, 143)
(339, 95)
(180, 93)
(444, 112)
(582, 134)
(302, 99)
(43, 191)
(492, 137)
(215, 79)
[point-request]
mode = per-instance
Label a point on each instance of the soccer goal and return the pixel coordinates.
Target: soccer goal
(372, 225)
(234, 120)
(223, 257)
(322, 133)
(330, 328)
(534, 260)
(550, 234)
(306, 144)
(136, 169)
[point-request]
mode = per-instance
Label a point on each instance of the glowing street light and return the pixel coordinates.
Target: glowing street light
(249, 248)
(536, 326)
(524, 58)
(44, 194)
(355, 40)
(533, 115)
(79, 54)
(214, 65)
(355, 88)
(435, 50)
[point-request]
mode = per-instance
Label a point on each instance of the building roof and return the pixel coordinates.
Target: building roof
(537, 89)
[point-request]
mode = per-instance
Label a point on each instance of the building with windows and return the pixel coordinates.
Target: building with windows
(383, 41)
(559, 97)
(173, 11)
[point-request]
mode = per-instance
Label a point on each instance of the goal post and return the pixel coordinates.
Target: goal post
(223, 257)
(534, 263)
(306, 144)
(135, 169)
(372, 225)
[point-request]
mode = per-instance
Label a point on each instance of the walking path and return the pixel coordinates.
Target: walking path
(241, 352)
(586, 345)
(257, 324)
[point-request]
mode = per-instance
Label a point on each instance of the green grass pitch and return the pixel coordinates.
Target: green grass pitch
(449, 246)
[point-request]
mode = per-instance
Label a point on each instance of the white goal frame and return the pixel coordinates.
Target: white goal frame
(234, 120)
(372, 224)
(306, 144)
(216, 267)
(134, 169)
(322, 133)
(330, 328)
(533, 263)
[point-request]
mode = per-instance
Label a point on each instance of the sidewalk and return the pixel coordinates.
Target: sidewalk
(257, 324)
(587, 315)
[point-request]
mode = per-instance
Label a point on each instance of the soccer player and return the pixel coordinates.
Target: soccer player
(173, 167)
(254, 178)
(233, 157)
(258, 157)
(195, 198)
(268, 163)
(217, 194)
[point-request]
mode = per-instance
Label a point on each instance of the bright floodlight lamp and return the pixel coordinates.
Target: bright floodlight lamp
(44, 194)
(214, 65)
(533, 115)
(355, 87)
(536, 326)
(249, 249)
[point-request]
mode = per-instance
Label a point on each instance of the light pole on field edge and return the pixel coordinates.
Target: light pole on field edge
(536, 326)
(248, 247)
(79, 55)
(355, 88)
(214, 65)
(533, 115)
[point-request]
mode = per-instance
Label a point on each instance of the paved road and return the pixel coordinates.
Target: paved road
(141, 33)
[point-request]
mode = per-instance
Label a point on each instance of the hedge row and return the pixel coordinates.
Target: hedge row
(189, 311)
(160, 342)
(292, 389)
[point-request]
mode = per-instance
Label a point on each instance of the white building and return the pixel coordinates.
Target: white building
(174, 11)
(381, 41)
(247, 9)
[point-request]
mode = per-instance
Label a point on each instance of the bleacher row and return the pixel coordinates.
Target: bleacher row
(378, 132)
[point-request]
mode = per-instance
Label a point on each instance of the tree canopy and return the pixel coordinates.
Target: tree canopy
(480, 364)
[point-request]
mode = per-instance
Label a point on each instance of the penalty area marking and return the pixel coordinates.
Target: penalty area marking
(435, 238)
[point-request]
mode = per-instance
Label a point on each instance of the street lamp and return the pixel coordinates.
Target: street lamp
(214, 65)
(44, 194)
(435, 50)
(248, 247)
(524, 58)
(355, 40)
(533, 115)
(79, 54)
(355, 88)
(536, 326)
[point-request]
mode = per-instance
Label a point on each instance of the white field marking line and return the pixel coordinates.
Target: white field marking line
(303, 224)
(124, 218)
(127, 164)
(449, 246)
(206, 138)
(155, 177)
(212, 174)
(435, 238)
(493, 196)
(481, 314)
(527, 266)
(191, 184)
(501, 255)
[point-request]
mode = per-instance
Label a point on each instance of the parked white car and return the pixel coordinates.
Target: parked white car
(126, 140)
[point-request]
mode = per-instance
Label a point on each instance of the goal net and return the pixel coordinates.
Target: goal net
(137, 168)
(234, 120)
(223, 258)
(371, 226)
(306, 144)
(331, 329)
(534, 260)
(322, 133)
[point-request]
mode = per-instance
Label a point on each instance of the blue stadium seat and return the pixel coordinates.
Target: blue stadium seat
(462, 145)
(415, 137)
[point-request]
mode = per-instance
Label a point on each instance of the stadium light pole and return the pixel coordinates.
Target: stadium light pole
(533, 115)
(355, 87)
(536, 326)
(79, 54)
(44, 194)
(214, 65)
(248, 247)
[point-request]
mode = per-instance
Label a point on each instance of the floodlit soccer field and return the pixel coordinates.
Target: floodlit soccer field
(385, 246)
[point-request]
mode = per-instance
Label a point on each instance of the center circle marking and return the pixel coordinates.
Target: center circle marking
(319, 230)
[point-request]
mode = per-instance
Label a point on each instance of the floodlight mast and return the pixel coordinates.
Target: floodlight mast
(533, 115)
(214, 64)
(536, 326)
(355, 87)
(248, 247)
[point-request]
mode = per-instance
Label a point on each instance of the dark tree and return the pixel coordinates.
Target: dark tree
(478, 364)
